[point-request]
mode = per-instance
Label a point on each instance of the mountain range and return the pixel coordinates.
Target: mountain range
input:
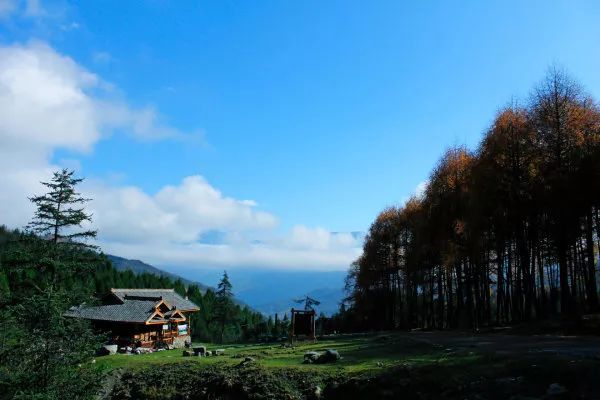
(265, 290)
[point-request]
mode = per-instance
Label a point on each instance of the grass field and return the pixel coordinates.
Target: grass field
(421, 365)
(359, 354)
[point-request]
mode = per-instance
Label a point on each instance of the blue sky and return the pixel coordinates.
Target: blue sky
(321, 113)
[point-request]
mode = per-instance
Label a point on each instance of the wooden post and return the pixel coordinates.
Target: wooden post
(314, 329)
(292, 330)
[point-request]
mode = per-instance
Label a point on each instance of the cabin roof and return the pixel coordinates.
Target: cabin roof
(168, 295)
(130, 311)
(138, 306)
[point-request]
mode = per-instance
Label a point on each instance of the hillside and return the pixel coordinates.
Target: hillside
(140, 267)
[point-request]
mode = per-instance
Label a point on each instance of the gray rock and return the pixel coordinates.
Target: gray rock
(219, 352)
(329, 356)
(556, 389)
(111, 348)
(311, 357)
(246, 361)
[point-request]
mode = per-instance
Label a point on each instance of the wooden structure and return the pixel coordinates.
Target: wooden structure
(303, 325)
(141, 317)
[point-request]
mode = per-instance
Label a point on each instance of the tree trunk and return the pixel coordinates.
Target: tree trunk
(591, 287)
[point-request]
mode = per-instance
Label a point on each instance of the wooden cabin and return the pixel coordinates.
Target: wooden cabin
(141, 317)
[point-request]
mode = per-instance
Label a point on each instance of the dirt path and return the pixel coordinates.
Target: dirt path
(575, 346)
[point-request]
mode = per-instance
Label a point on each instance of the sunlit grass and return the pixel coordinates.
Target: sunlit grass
(358, 355)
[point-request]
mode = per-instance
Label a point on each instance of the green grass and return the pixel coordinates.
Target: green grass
(370, 366)
(358, 355)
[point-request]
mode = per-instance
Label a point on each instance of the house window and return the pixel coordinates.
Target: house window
(182, 329)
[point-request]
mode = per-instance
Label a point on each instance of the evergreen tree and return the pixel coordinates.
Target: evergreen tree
(59, 210)
(223, 312)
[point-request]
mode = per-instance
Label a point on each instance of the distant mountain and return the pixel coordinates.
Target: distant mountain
(273, 291)
(329, 298)
(140, 267)
(265, 290)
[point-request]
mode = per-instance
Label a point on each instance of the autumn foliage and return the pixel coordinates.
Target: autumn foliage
(503, 234)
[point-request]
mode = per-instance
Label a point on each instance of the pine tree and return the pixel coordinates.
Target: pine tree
(224, 305)
(58, 212)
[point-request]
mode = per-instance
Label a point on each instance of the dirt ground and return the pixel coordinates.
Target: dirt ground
(583, 346)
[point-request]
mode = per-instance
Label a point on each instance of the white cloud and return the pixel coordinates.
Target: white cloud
(71, 26)
(33, 8)
(7, 7)
(46, 103)
(175, 214)
(264, 255)
(49, 102)
(101, 57)
(165, 229)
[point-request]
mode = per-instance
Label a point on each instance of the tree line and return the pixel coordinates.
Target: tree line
(502, 234)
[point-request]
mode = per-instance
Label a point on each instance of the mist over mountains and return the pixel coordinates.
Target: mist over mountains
(265, 290)
(274, 291)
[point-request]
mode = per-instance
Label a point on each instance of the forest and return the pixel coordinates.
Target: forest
(503, 234)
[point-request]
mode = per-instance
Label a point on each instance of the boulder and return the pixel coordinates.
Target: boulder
(219, 352)
(556, 389)
(246, 361)
(311, 357)
(328, 356)
(200, 350)
(109, 349)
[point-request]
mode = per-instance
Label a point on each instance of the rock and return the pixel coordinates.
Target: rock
(556, 389)
(219, 352)
(311, 357)
(108, 349)
(125, 350)
(187, 353)
(180, 342)
(329, 356)
(200, 350)
(142, 350)
(318, 391)
(246, 361)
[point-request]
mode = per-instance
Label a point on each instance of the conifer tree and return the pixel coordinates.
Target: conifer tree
(60, 210)
(224, 305)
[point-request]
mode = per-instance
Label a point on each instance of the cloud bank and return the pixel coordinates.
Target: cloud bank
(49, 102)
